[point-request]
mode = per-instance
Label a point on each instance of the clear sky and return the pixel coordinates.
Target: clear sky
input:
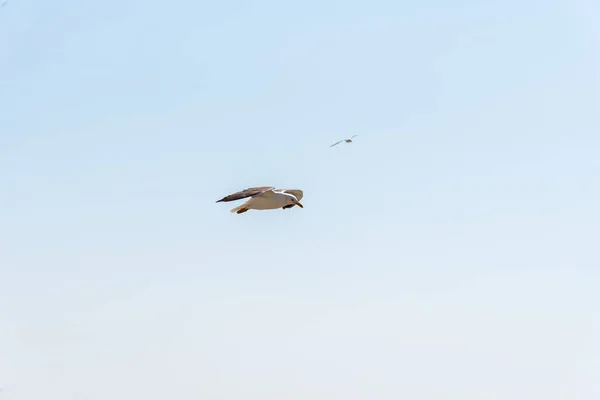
(451, 252)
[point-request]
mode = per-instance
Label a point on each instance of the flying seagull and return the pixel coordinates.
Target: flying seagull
(265, 198)
(349, 140)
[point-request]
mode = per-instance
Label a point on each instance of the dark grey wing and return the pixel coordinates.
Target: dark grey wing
(336, 143)
(249, 192)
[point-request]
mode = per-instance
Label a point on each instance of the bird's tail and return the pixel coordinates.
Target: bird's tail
(239, 209)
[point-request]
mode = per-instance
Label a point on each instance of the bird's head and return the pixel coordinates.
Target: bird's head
(293, 200)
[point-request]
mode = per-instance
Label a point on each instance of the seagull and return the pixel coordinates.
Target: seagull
(265, 198)
(349, 140)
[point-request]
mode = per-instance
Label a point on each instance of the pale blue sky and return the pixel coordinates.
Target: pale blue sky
(451, 252)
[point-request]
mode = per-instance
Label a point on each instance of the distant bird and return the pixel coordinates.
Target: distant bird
(265, 198)
(3, 3)
(345, 140)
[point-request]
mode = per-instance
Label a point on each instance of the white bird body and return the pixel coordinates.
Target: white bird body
(265, 198)
(349, 140)
(269, 201)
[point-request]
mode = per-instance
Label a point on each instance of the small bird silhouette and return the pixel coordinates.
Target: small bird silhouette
(349, 140)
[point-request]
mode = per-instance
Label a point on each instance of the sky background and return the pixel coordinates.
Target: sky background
(451, 252)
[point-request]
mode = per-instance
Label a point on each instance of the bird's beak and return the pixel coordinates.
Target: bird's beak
(301, 206)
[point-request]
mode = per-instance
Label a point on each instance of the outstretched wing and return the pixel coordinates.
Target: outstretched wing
(353, 136)
(249, 192)
(336, 143)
